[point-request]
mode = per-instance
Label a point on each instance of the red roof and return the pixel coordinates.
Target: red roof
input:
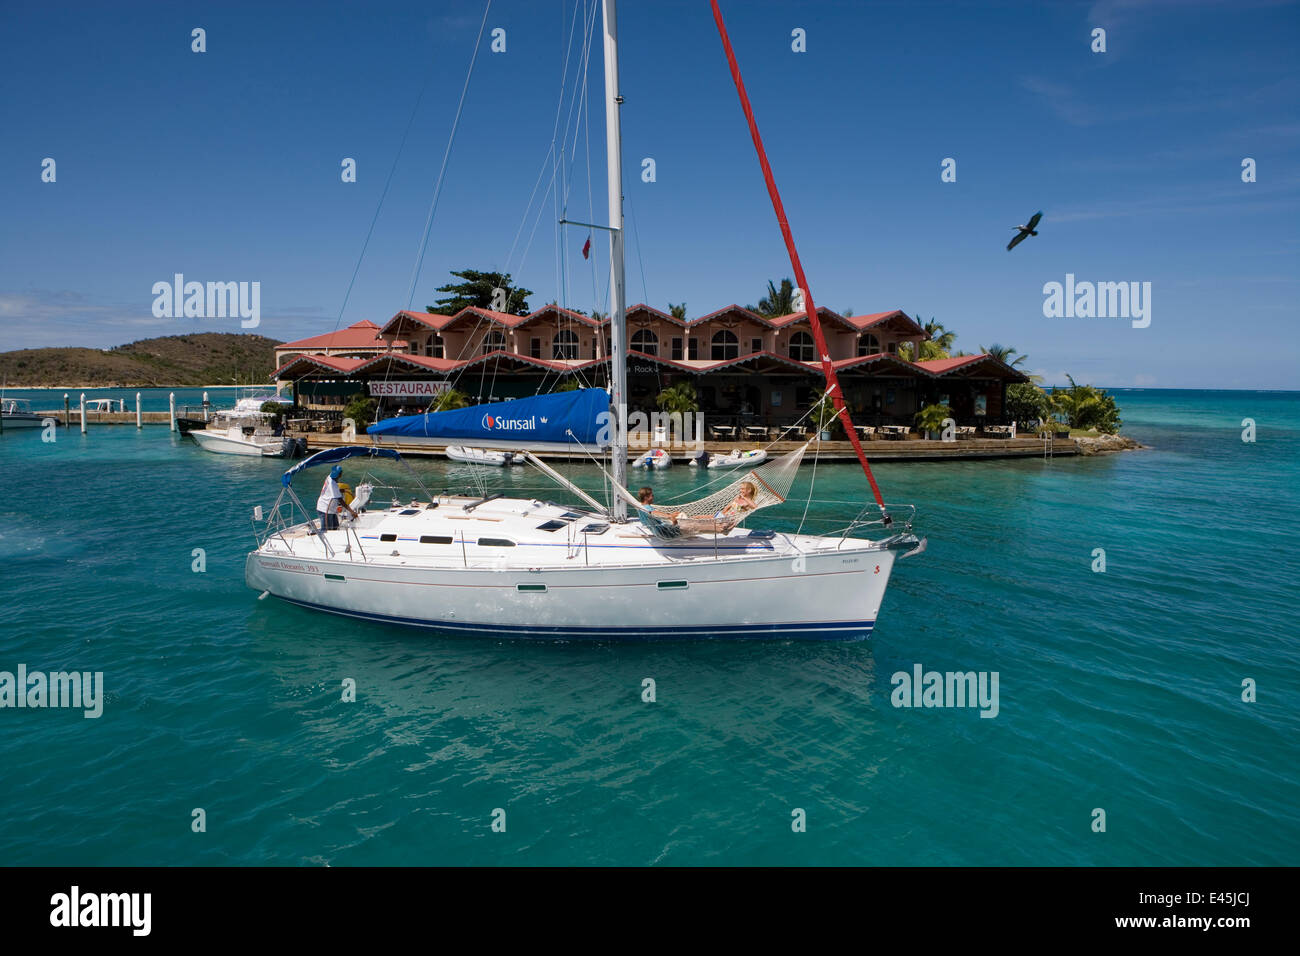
(437, 321)
(939, 366)
(331, 362)
(358, 335)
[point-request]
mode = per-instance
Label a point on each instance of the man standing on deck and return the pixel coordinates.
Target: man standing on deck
(330, 500)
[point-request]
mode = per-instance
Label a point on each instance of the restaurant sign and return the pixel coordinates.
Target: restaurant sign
(405, 389)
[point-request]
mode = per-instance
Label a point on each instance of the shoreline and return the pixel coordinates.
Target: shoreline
(138, 388)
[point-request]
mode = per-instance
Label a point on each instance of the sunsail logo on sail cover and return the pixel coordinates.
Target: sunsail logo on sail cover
(497, 423)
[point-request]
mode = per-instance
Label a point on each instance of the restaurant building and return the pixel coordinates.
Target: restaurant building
(745, 367)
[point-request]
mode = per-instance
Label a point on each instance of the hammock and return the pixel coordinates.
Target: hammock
(719, 512)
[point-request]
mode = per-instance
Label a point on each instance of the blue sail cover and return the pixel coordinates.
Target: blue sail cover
(332, 455)
(578, 417)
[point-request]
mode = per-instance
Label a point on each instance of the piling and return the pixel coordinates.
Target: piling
(139, 422)
(171, 404)
(83, 413)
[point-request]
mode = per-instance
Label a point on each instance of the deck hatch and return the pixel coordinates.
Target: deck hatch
(596, 527)
(552, 525)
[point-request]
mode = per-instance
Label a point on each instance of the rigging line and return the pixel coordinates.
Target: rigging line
(387, 182)
(437, 189)
(575, 109)
(812, 484)
(828, 368)
(645, 291)
(559, 107)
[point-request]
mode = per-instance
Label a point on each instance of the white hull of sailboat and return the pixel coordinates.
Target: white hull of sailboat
(523, 567)
(834, 595)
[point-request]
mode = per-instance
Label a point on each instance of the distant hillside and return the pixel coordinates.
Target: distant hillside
(205, 358)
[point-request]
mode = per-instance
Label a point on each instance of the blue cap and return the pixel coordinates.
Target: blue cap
(336, 471)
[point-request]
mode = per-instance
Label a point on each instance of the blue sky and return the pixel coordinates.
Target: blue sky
(225, 166)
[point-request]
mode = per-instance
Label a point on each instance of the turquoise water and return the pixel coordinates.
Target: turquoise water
(1118, 690)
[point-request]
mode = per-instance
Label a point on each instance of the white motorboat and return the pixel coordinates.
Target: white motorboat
(654, 458)
(519, 567)
(102, 405)
(483, 456)
(17, 413)
(734, 460)
(253, 441)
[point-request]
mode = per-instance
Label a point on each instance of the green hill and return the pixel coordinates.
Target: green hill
(204, 358)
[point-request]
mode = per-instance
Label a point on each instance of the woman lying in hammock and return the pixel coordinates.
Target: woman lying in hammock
(722, 522)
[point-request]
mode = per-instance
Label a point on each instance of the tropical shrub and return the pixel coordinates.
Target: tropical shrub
(449, 399)
(1084, 406)
(361, 409)
(1027, 403)
(930, 418)
(680, 398)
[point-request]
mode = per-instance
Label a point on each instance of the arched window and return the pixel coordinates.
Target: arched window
(433, 347)
(494, 341)
(645, 341)
(725, 346)
(802, 348)
(565, 345)
(868, 344)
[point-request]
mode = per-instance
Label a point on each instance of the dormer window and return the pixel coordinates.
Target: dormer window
(868, 344)
(802, 348)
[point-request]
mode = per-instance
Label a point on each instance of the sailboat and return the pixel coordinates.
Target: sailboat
(498, 566)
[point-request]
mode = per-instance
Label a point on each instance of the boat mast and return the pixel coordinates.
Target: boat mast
(617, 312)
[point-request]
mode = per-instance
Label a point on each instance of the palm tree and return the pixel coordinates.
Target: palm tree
(677, 311)
(1003, 354)
(937, 346)
(679, 398)
(777, 302)
(940, 341)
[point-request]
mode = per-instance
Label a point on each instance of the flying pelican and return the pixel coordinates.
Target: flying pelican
(1027, 230)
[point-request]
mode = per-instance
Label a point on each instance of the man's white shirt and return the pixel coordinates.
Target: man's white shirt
(328, 494)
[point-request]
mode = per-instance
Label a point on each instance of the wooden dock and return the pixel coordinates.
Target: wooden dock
(107, 418)
(878, 450)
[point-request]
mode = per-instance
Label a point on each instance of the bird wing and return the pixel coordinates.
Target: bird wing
(1033, 223)
(1019, 237)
